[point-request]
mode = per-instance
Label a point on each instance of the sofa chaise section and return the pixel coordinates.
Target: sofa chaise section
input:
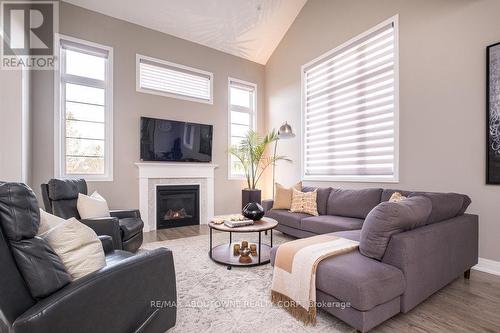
(416, 263)
(359, 290)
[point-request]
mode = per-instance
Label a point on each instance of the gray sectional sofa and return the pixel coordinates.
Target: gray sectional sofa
(416, 262)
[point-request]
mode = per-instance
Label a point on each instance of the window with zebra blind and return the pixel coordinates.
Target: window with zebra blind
(160, 77)
(350, 110)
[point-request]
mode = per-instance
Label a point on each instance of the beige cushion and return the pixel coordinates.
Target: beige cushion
(283, 196)
(396, 197)
(48, 221)
(93, 206)
(78, 247)
(304, 202)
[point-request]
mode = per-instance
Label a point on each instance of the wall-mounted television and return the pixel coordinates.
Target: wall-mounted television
(175, 141)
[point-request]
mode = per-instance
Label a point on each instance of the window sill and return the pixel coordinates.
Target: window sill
(236, 178)
(88, 178)
(352, 179)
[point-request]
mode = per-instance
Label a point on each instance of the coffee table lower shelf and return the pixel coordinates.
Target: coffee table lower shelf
(223, 254)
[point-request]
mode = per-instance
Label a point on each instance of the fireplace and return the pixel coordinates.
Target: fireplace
(177, 206)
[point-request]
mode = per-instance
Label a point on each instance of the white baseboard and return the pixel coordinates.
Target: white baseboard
(488, 266)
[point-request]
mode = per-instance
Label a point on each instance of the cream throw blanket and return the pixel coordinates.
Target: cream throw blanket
(294, 277)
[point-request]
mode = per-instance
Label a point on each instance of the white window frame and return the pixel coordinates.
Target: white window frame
(253, 114)
(60, 114)
(139, 57)
(357, 178)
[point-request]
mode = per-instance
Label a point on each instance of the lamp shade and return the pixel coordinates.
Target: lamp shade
(285, 131)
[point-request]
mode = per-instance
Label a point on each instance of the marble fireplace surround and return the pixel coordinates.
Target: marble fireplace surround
(154, 174)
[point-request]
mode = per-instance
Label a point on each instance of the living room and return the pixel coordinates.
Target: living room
(197, 151)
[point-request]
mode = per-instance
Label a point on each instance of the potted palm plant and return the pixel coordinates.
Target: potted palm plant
(254, 160)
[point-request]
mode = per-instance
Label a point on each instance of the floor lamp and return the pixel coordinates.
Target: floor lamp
(285, 132)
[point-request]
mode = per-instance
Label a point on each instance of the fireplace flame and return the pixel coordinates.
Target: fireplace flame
(177, 213)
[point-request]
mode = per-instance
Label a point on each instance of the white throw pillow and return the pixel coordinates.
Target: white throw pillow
(78, 247)
(48, 221)
(93, 206)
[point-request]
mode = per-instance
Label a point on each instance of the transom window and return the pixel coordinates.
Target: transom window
(350, 110)
(160, 77)
(84, 110)
(242, 114)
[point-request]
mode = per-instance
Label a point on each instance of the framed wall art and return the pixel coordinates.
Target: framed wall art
(493, 114)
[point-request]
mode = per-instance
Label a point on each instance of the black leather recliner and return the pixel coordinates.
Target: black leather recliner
(121, 297)
(124, 226)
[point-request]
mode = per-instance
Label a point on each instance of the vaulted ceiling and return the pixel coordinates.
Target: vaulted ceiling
(250, 29)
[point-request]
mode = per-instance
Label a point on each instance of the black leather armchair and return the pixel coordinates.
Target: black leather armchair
(124, 226)
(121, 297)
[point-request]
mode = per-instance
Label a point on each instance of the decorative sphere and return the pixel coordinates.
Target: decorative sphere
(253, 211)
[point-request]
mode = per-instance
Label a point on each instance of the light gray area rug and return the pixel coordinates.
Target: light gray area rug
(214, 299)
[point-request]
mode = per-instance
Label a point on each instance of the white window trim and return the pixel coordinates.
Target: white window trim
(360, 178)
(138, 88)
(60, 125)
(230, 176)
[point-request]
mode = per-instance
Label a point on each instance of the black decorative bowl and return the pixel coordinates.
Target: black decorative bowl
(253, 211)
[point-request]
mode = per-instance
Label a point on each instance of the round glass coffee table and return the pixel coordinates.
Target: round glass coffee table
(223, 254)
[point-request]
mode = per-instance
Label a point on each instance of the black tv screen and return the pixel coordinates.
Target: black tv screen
(168, 140)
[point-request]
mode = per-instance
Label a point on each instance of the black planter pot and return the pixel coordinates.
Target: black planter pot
(253, 211)
(248, 195)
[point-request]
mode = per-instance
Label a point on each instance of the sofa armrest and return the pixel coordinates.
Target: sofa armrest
(107, 226)
(267, 204)
(125, 213)
(432, 256)
(138, 291)
(107, 243)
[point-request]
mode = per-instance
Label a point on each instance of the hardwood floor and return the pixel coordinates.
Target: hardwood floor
(175, 233)
(462, 306)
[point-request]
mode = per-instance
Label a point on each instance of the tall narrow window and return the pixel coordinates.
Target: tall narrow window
(84, 110)
(350, 110)
(242, 114)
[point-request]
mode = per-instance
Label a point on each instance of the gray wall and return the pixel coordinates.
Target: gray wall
(442, 91)
(128, 39)
(11, 125)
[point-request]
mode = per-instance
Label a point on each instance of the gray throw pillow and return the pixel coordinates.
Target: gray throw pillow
(390, 218)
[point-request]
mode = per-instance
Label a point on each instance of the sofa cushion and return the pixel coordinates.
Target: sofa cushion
(390, 218)
(322, 197)
(92, 206)
(47, 222)
(130, 227)
(445, 205)
(283, 195)
(78, 247)
(353, 203)
(357, 279)
(326, 223)
(287, 218)
(304, 202)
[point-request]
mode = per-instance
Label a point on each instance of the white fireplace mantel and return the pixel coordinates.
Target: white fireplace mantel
(153, 174)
